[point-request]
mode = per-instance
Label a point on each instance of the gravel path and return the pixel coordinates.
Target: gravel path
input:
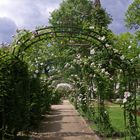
(64, 123)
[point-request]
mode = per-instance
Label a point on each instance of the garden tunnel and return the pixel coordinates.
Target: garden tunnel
(94, 68)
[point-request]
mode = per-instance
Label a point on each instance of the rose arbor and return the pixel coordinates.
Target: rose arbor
(98, 67)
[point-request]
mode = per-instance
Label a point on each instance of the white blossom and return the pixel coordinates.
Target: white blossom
(117, 85)
(91, 27)
(32, 37)
(90, 75)
(84, 99)
(37, 71)
(78, 62)
(124, 100)
(92, 64)
(111, 78)
(106, 73)
(89, 57)
(129, 47)
(79, 98)
(74, 60)
(127, 94)
(105, 112)
(95, 89)
(115, 50)
(41, 64)
(92, 51)
(107, 45)
(122, 57)
(85, 63)
(102, 38)
(66, 65)
(99, 65)
(78, 56)
(103, 70)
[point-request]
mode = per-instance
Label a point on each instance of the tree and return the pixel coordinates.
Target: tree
(81, 13)
(132, 15)
(127, 44)
(133, 22)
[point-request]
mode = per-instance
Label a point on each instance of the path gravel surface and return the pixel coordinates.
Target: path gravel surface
(64, 123)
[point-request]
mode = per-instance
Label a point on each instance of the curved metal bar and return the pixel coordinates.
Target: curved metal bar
(65, 31)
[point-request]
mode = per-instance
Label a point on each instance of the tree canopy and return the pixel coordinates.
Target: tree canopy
(133, 15)
(81, 13)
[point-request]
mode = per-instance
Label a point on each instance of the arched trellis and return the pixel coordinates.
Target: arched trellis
(46, 33)
(90, 36)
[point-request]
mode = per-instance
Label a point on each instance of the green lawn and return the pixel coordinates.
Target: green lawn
(117, 119)
(116, 115)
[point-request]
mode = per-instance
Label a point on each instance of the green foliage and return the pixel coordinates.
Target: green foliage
(128, 45)
(14, 94)
(132, 15)
(93, 62)
(56, 97)
(23, 99)
(80, 13)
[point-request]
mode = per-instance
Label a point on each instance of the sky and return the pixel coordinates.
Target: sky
(18, 14)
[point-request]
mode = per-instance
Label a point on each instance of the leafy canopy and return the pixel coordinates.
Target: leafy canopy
(81, 13)
(133, 15)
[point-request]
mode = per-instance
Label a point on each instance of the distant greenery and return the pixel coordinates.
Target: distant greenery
(132, 17)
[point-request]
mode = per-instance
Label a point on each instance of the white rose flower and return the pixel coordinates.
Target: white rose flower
(124, 100)
(106, 73)
(67, 65)
(99, 65)
(90, 75)
(117, 85)
(127, 94)
(103, 70)
(92, 64)
(122, 57)
(41, 64)
(102, 38)
(115, 50)
(78, 56)
(92, 51)
(107, 45)
(105, 112)
(37, 71)
(91, 27)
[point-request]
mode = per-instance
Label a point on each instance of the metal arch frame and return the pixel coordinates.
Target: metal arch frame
(57, 31)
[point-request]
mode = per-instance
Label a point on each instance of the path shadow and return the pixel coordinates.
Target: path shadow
(71, 134)
(22, 138)
(63, 135)
(50, 122)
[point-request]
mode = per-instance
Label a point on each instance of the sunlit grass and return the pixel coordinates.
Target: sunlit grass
(116, 115)
(117, 118)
